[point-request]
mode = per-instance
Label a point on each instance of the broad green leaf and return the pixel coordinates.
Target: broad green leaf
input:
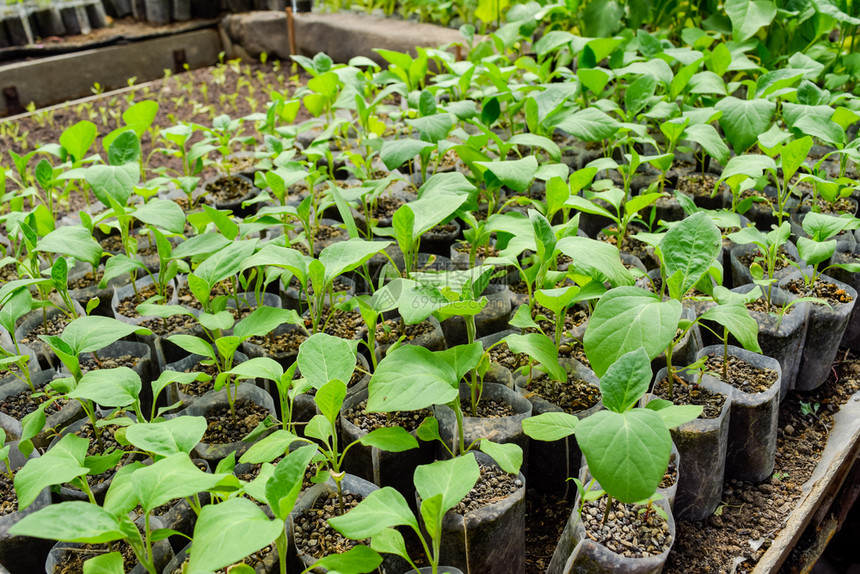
(453, 479)
(78, 139)
(118, 387)
(263, 320)
(329, 398)
(626, 380)
(169, 479)
(88, 334)
(516, 174)
(550, 426)
(166, 438)
(323, 358)
(113, 181)
(395, 153)
(674, 415)
(110, 563)
(343, 256)
(283, 488)
(625, 319)
(626, 453)
(390, 439)
(74, 241)
(589, 125)
(409, 379)
(356, 560)
(162, 213)
(743, 120)
(596, 259)
(509, 456)
(737, 320)
(59, 465)
(461, 358)
(541, 348)
(381, 509)
(269, 448)
(228, 532)
(689, 248)
(748, 16)
(76, 521)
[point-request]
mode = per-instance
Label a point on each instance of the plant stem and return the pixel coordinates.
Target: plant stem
(608, 508)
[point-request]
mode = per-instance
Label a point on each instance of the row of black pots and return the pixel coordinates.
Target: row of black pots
(25, 24)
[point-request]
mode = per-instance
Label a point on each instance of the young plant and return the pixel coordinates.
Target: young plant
(769, 246)
(820, 245)
(627, 449)
(440, 485)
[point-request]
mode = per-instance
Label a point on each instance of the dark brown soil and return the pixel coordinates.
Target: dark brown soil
(128, 307)
(112, 244)
(760, 306)
(73, 559)
(338, 286)
(671, 473)
(108, 444)
(487, 409)
(573, 396)
(574, 350)
(841, 205)
(200, 388)
(8, 497)
(8, 273)
(367, 421)
(699, 184)
(493, 485)
(630, 529)
(312, 532)
(20, 405)
(483, 252)
(546, 516)
(823, 290)
(572, 318)
(385, 207)
(284, 343)
(629, 244)
(751, 512)
(56, 325)
(223, 428)
(389, 331)
(742, 375)
(228, 188)
(84, 281)
(344, 324)
(685, 393)
(90, 363)
(170, 325)
(502, 355)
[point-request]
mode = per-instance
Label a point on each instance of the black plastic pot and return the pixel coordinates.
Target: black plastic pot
(212, 453)
(120, 293)
(71, 412)
(502, 429)
(205, 8)
(741, 273)
(753, 421)
(119, 8)
(181, 10)
(49, 21)
(162, 551)
(847, 253)
(490, 540)
(23, 554)
(75, 20)
(234, 205)
(440, 242)
(779, 338)
(576, 553)
(702, 446)
(824, 330)
(96, 14)
(550, 464)
(440, 570)
(158, 11)
(380, 467)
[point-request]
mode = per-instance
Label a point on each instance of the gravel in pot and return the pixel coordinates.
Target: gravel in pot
(550, 464)
(825, 326)
(754, 410)
(848, 253)
(16, 402)
(742, 256)
(229, 192)
(33, 324)
(427, 334)
(630, 542)
(701, 443)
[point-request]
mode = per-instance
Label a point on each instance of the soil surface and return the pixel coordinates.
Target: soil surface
(223, 428)
(630, 529)
(742, 375)
(573, 395)
(21, 404)
(285, 343)
(170, 325)
(312, 532)
(671, 473)
(56, 325)
(700, 184)
(228, 188)
(8, 497)
(366, 421)
(685, 393)
(72, 561)
(389, 331)
(128, 307)
(487, 409)
(752, 515)
(493, 485)
(90, 364)
(783, 257)
(574, 350)
(502, 355)
(830, 292)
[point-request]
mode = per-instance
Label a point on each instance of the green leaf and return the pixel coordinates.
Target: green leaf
(381, 509)
(626, 380)
(689, 248)
(626, 453)
(395, 153)
(589, 125)
(162, 213)
(509, 456)
(462, 358)
(166, 438)
(74, 241)
(737, 320)
(674, 415)
(283, 488)
(224, 263)
(793, 154)
(638, 94)
(541, 348)
(269, 448)
(356, 560)
(343, 256)
(706, 136)
(551, 426)
(110, 563)
(390, 439)
(743, 120)
(748, 16)
(76, 521)
(169, 479)
(516, 174)
(329, 398)
(194, 345)
(228, 532)
(323, 358)
(596, 259)
(59, 465)
(118, 387)
(78, 139)
(452, 479)
(125, 148)
(113, 181)
(88, 334)
(625, 319)
(409, 379)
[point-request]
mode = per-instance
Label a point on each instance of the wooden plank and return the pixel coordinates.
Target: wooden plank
(840, 452)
